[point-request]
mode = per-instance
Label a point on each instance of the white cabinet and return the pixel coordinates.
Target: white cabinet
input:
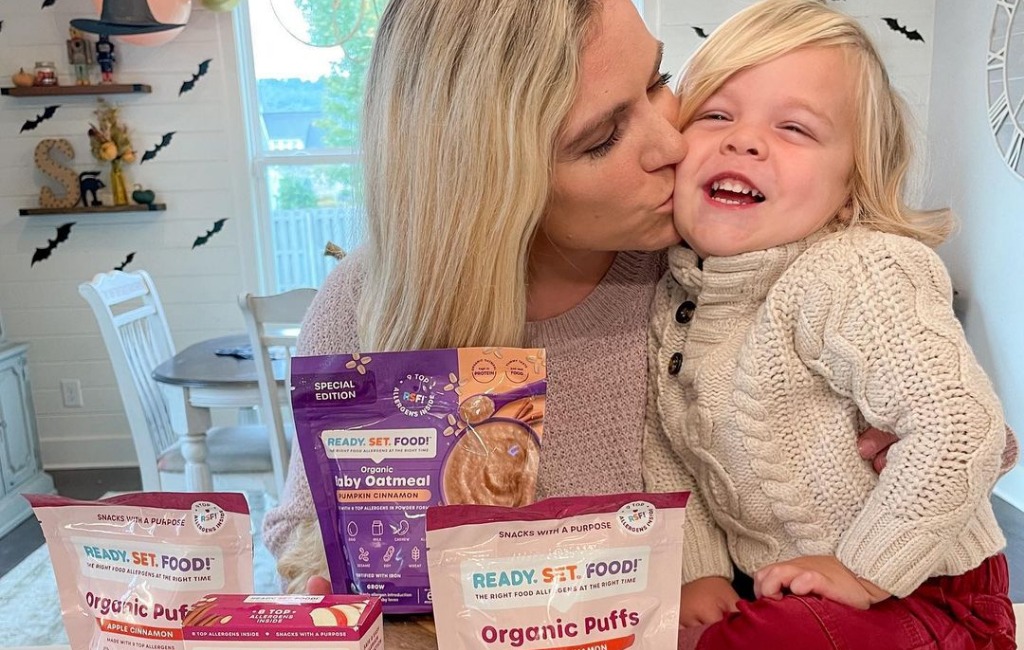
(21, 469)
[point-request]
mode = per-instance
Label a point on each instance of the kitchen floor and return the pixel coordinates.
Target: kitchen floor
(88, 484)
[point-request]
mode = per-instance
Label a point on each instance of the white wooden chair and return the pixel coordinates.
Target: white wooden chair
(273, 322)
(134, 329)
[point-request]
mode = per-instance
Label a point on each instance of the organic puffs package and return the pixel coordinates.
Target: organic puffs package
(386, 435)
(568, 573)
(129, 566)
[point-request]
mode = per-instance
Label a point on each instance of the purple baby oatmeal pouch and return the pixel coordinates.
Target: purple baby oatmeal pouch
(386, 435)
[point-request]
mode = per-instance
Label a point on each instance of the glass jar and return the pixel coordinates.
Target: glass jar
(46, 73)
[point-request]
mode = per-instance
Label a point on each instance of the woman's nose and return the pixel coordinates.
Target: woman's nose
(666, 147)
(671, 150)
(665, 144)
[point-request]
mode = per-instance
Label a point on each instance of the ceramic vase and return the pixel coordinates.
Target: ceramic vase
(118, 187)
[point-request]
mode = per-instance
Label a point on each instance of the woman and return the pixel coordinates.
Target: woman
(511, 148)
(518, 154)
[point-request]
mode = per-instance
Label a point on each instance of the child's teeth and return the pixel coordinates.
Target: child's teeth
(736, 187)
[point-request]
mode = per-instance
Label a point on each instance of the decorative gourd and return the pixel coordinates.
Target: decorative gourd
(143, 197)
(23, 79)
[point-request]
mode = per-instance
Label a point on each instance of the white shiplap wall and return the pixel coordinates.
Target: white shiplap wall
(202, 176)
(909, 62)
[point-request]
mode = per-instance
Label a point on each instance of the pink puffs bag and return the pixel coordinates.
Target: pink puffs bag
(128, 567)
(568, 573)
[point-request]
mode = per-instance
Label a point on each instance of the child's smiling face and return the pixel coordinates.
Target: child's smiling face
(770, 154)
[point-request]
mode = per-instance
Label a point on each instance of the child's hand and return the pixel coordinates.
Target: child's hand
(706, 600)
(822, 575)
(318, 586)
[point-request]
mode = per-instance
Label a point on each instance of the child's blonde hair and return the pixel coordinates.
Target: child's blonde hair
(883, 151)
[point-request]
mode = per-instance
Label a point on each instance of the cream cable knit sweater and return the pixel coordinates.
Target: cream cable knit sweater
(788, 353)
(597, 379)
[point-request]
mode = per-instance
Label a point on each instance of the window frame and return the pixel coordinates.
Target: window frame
(261, 158)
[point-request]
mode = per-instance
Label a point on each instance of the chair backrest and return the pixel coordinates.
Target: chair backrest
(134, 329)
(273, 326)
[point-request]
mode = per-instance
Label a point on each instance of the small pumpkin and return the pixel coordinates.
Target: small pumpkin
(143, 197)
(23, 79)
(108, 151)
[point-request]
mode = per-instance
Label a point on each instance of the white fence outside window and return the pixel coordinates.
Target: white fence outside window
(300, 236)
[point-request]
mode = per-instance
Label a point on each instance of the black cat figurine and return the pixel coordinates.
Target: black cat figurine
(90, 182)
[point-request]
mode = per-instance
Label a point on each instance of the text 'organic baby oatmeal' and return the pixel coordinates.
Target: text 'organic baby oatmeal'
(569, 573)
(386, 435)
(129, 566)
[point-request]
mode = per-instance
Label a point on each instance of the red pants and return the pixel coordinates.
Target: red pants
(971, 611)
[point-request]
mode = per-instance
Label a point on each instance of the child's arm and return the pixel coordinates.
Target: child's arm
(878, 324)
(873, 445)
(707, 594)
(704, 549)
(822, 575)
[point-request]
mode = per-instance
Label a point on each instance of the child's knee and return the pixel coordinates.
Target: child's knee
(791, 622)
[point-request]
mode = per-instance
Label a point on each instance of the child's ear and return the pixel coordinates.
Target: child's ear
(845, 214)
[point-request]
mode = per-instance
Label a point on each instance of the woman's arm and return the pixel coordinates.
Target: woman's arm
(291, 531)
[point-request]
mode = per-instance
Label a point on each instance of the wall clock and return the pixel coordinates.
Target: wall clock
(1006, 81)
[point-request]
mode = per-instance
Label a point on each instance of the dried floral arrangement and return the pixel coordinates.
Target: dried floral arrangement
(109, 138)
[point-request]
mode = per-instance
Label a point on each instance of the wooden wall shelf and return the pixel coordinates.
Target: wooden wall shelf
(100, 209)
(56, 91)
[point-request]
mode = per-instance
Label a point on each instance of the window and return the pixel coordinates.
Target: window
(305, 61)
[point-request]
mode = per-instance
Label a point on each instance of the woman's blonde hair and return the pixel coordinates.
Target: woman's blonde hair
(883, 151)
(464, 103)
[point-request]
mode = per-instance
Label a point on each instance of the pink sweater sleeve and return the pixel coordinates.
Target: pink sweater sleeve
(328, 328)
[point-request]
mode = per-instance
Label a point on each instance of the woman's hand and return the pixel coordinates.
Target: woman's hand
(822, 575)
(873, 445)
(706, 600)
(318, 586)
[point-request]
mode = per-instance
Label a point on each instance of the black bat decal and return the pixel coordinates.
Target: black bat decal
(126, 262)
(700, 31)
(911, 34)
(30, 125)
(202, 239)
(63, 231)
(48, 3)
(164, 141)
(204, 67)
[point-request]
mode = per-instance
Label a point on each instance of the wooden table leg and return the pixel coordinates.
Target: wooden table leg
(191, 424)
